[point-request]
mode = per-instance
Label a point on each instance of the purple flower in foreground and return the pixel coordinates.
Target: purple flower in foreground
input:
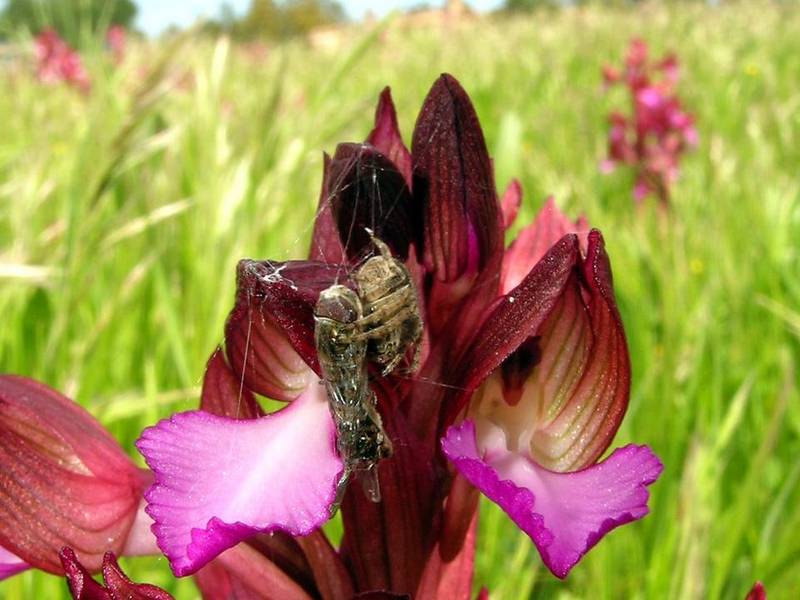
(524, 381)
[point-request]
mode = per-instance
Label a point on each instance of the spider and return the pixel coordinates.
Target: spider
(391, 323)
(360, 438)
(379, 323)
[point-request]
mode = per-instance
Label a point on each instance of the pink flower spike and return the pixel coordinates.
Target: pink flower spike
(116, 39)
(535, 240)
(611, 75)
(565, 514)
(57, 62)
(641, 189)
(607, 166)
(386, 135)
(510, 203)
(10, 564)
(658, 132)
(219, 480)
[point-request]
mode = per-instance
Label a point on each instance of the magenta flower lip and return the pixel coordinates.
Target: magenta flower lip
(255, 478)
(565, 514)
(10, 564)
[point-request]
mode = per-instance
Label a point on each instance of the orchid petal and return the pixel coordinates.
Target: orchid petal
(535, 240)
(244, 572)
(330, 574)
(563, 393)
(265, 566)
(585, 395)
(757, 592)
(11, 564)
(269, 335)
(326, 246)
(513, 319)
(122, 588)
(510, 203)
(224, 394)
(367, 191)
(453, 177)
(449, 577)
(565, 514)
(385, 543)
(386, 136)
(218, 481)
(81, 584)
(64, 481)
(117, 585)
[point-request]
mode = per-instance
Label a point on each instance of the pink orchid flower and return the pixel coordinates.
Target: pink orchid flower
(117, 41)
(524, 381)
(659, 131)
(57, 62)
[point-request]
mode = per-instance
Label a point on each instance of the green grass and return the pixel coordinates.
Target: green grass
(133, 205)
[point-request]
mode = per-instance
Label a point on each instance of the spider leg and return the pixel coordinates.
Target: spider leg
(385, 327)
(415, 331)
(380, 245)
(347, 333)
(394, 303)
(415, 360)
(392, 365)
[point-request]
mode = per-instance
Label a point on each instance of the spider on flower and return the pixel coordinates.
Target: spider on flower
(379, 323)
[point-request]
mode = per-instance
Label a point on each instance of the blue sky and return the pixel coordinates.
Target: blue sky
(156, 15)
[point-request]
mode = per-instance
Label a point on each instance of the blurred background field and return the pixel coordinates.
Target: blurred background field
(123, 213)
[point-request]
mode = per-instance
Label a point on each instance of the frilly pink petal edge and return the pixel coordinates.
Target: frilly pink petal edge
(565, 514)
(219, 480)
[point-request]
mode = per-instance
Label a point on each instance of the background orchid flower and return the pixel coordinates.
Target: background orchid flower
(526, 338)
(117, 42)
(57, 62)
(658, 131)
